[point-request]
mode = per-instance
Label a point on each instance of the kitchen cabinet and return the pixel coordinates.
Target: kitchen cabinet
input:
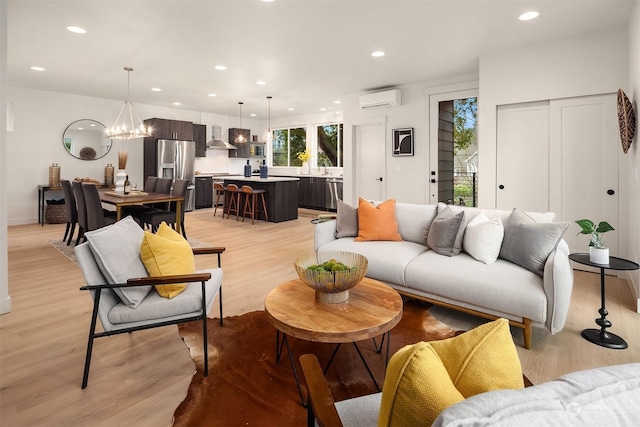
(200, 137)
(312, 192)
(170, 129)
(204, 192)
(243, 150)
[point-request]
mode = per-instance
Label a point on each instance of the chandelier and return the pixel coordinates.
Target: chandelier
(125, 127)
(240, 138)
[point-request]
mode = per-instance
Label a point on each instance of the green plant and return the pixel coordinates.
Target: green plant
(589, 227)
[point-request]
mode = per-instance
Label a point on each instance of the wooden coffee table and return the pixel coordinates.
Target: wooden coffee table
(372, 309)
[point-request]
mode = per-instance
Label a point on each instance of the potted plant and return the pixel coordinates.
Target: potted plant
(598, 253)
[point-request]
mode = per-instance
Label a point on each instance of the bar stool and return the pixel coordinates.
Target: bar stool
(251, 207)
(220, 192)
(233, 193)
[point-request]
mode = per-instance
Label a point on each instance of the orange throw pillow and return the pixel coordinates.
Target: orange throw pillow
(377, 223)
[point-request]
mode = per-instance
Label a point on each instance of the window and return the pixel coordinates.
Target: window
(287, 143)
(330, 145)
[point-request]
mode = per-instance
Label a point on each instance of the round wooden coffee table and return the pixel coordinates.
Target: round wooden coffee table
(373, 309)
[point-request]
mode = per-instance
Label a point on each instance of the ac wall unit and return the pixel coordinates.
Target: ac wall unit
(385, 99)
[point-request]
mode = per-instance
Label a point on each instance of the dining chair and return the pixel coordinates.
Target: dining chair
(154, 217)
(71, 210)
(136, 210)
(97, 217)
(82, 210)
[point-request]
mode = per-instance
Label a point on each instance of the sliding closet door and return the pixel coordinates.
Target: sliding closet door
(584, 164)
(522, 173)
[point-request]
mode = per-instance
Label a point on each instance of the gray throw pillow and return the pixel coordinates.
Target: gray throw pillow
(443, 232)
(457, 246)
(116, 249)
(346, 221)
(528, 243)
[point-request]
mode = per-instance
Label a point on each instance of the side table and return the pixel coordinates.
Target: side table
(601, 336)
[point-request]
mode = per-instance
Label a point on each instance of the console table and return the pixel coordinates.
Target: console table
(42, 189)
(601, 336)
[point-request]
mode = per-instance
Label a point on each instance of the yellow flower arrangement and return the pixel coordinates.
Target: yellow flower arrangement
(304, 156)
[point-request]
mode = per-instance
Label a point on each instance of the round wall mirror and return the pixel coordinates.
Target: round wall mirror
(86, 139)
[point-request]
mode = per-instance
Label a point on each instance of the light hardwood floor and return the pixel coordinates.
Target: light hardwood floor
(141, 378)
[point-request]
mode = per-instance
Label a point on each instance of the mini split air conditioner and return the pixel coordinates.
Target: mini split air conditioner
(386, 99)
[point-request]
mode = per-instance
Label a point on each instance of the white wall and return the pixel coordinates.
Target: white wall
(5, 299)
(633, 155)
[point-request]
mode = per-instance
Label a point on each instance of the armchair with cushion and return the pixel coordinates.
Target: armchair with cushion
(475, 379)
(117, 262)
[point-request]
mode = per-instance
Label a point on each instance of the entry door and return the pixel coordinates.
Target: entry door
(522, 175)
(369, 143)
(584, 162)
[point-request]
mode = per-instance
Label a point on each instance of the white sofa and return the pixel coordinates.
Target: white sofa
(498, 289)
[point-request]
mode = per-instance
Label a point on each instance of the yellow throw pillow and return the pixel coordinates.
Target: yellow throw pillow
(167, 253)
(483, 359)
(423, 379)
(377, 223)
(416, 388)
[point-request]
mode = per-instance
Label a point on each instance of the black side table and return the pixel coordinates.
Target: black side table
(601, 336)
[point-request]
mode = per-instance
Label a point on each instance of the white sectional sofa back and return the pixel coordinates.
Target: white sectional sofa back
(497, 289)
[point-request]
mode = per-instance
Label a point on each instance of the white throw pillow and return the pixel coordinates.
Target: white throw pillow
(483, 238)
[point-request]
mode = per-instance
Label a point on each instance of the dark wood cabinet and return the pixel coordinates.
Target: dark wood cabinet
(312, 192)
(170, 129)
(204, 192)
(200, 137)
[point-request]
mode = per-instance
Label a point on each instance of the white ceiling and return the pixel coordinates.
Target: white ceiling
(309, 52)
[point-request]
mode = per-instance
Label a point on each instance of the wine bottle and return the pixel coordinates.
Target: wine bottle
(127, 185)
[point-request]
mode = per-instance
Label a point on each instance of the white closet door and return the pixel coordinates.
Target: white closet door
(522, 173)
(584, 165)
(369, 143)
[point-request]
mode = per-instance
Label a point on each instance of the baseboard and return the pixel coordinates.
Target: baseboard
(5, 305)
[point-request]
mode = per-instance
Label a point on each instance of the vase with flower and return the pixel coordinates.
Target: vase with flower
(121, 175)
(304, 157)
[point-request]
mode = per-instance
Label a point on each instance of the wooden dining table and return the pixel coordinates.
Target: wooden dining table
(121, 200)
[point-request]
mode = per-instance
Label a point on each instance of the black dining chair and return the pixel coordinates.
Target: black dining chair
(82, 210)
(71, 210)
(97, 217)
(155, 217)
(136, 210)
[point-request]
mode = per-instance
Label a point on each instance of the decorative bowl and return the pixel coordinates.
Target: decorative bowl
(347, 270)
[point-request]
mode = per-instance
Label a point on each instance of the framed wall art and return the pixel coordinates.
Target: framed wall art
(403, 142)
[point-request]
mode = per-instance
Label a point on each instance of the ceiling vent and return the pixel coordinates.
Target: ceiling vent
(386, 99)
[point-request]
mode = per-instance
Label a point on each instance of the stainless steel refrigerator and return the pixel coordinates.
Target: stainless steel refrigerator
(175, 160)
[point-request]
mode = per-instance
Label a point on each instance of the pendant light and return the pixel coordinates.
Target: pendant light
(269, 133)
(240, 138)
(125, 127)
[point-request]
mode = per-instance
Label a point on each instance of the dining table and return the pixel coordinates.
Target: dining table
(119, 200)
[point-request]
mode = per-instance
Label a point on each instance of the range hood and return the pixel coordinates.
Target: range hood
(217, 143)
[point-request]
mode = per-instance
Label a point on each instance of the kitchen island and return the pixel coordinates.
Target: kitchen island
(281, 194)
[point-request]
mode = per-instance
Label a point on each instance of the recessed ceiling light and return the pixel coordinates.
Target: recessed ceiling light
(267, 1)
(156, 89)
(252, 114)
(261, 83)
(81, 129)
(337, 102)
(92, 125)
(37, 68)
(212, 94)
(377, 54)
(527, 16)
(220, 67)
(77, 30)
(290, 109)
(177, 103)
(323, 109)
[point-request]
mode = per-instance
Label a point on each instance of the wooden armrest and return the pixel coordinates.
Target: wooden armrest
(166, 280)
(319, 396)
(209, 250)
(527, 382)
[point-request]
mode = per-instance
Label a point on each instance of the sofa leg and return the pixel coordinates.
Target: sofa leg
(527, 332)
